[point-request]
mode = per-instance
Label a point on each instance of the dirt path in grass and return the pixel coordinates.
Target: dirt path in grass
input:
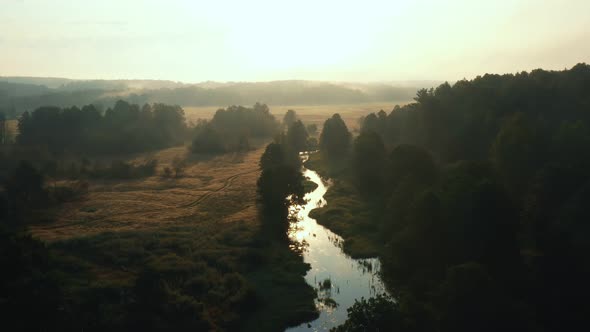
(223, 187)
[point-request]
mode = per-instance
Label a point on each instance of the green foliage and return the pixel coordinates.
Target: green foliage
(516, 152)
(231, 128)
(351, 217)
(369, 162)
(379, 313)
(407, 161)
(280, 185)
(297, 136)
(25, 188)
(278, 188)
(481, 237)
(470, 297)
(335, 138)
(289, 118)
(30, 294)
(273, 156)
(182, 278)
(122, 129)
(208, 140)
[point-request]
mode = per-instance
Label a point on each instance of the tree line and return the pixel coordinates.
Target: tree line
(481, 189)
(125, 128)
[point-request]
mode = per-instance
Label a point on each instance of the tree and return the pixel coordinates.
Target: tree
(208, 140)
(369, 162)
(469, 299)
(410, 161)
(335, 138)
(517, 153)
(25, 187)
(280, 185)
(123, 129)
(297, 136)
(273, 156)
(370, 123)
(232, 128)
(380, 313)
(31, 294)
(278, 188)
(480, 220)
(289, 118)
(570, 146)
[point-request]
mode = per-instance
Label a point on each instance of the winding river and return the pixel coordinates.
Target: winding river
(337, 278)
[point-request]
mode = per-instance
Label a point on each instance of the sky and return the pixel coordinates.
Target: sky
(262, 40)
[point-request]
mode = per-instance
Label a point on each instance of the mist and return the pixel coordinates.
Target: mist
(260, 40)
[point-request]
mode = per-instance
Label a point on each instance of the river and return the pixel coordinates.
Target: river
(338, 279)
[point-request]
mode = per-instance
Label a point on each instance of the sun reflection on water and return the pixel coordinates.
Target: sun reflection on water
(337, 278)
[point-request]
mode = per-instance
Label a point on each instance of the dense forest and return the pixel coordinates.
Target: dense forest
(475, 197)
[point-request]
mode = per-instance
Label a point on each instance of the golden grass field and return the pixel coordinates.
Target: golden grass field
(223, 185)
(12, 127)
(307, 113)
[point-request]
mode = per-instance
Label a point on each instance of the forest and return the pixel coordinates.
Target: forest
(474, 197)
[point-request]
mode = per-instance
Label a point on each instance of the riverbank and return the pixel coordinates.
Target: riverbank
(347, 214)
(337, 278)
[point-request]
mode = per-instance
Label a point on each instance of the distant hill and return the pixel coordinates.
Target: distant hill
(50, 82)
(18, 94)
(21, 89)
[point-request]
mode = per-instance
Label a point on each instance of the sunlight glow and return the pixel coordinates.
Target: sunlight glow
(267, 40)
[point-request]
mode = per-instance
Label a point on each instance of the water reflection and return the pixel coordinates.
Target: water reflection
(337, 278)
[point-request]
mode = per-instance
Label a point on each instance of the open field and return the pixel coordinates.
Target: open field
(308, 113)
(227, 182)
(12, 127)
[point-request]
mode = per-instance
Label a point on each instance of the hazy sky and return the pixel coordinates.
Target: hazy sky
(361, 40)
